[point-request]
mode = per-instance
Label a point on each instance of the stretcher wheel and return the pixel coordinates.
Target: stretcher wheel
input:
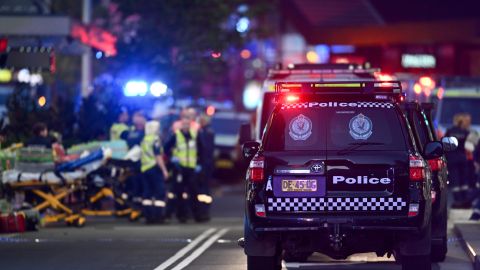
(80, 222)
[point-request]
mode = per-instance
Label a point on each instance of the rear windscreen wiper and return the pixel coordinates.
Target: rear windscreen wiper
(356, 145)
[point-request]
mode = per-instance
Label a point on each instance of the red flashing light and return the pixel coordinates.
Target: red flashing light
(216, 55)
(3, 44)
(210, 110)
(435, 164)
(383, 77)
(291, 98)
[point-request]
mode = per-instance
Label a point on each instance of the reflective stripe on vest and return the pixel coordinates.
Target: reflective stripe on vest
(186, 152)
(148, 156)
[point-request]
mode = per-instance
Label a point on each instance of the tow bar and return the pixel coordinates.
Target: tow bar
(336, 238)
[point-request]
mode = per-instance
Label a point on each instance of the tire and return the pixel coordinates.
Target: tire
(421, 262)
(264, 263)
(439, 250)
(439, 235)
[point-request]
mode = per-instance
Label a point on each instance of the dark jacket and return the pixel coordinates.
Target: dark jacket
(458, 155)
(207, 136)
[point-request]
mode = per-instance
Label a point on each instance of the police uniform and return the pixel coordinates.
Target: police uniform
(117, 129)
(184, 147)
(153, 201)
(457, 163)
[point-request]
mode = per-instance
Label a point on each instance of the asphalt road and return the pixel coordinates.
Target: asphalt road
(110, 243)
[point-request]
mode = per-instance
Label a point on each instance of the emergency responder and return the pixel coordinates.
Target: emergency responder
(187, 113)
(121, 125)
(154, 173)
(457, 162)
(207, 137)
(133, 188)
(183, 147)
(40, 136)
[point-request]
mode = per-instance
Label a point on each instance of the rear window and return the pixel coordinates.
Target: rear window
(335, 125)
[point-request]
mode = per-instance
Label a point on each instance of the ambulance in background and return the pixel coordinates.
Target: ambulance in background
(301, 73)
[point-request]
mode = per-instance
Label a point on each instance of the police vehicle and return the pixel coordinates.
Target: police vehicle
(305, 73)
(338, 171)
(420, 117)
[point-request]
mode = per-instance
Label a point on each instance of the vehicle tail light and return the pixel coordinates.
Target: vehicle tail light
(413, 209)
(256, 169)
(417, 168)
(260, 210)
(436, 164)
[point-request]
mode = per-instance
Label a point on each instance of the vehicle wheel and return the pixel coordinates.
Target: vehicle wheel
(439, 235)
(439, 250)
(296, 256)
(264, 263)
(421, 262)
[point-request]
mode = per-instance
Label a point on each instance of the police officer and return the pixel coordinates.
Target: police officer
(476, 202)
(183, 147)
(457, 161)
(121, 125)
(154, 173)
(134, 137)
(207, 137)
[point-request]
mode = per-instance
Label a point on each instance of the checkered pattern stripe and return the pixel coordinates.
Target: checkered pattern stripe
(359, 104)
(374, 104)
(335, 204)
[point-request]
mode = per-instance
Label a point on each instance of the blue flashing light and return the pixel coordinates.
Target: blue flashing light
(158, 89)
(135, 88)
(242, 25)
(99, 54)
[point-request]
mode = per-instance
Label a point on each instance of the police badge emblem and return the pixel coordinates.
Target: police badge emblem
(300, 128)
(360, 127)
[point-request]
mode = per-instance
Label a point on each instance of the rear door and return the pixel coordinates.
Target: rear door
(337, 157)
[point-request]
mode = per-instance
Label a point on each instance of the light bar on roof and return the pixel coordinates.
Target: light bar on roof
(362, 87)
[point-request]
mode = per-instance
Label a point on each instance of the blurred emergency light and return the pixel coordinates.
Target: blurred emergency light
(427, 82)
(292, 98)
(312, 57)
(210, 110)
(383, 76)
(252, 95)
(42, 101)
(158, 89)
(3, 44)
(417, 88)
(135, 88)
(440, 92)
(216, 55)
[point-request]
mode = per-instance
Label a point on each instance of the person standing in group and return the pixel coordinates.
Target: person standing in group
(121, 125)
(476, 201)
(207, 137)
(187, 113)
(154, 174)
(40, 136)
(183, 147)
(133, 187)
(457, 162)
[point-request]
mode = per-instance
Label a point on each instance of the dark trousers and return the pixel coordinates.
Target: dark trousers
(186, 191)
(153, 199)
(458, 181)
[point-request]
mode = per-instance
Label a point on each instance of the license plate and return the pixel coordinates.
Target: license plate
(299, 185)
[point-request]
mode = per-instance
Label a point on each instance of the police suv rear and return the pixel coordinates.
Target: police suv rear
(338, 172)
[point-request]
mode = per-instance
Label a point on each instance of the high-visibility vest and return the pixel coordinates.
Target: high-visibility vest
(186, 152)
(116, 130)
(148, 159)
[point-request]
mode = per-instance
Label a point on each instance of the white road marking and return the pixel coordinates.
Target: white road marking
(186, 249)
(195, 254)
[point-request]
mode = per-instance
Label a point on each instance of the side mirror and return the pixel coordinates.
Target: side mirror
(245, 134)
(250, 149)
(449, 143)
(433, 150)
